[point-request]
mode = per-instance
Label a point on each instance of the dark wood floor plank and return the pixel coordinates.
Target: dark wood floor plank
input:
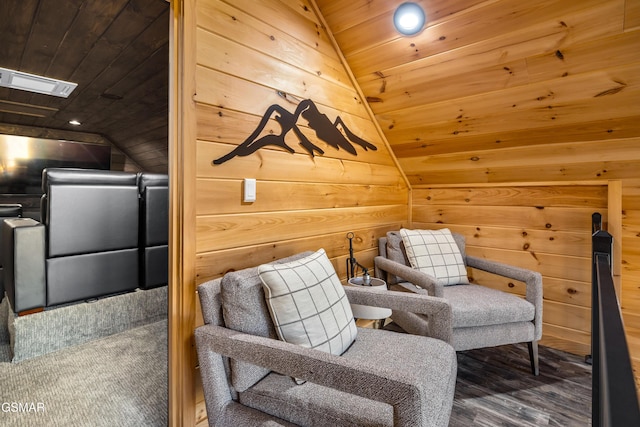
(495, 387)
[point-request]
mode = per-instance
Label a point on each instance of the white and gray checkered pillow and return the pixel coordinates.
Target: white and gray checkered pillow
(436, 253)
(308, 304)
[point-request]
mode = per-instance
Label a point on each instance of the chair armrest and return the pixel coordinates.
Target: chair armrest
(355, 377)
(438, 309)
(532, 280)
(418, 278)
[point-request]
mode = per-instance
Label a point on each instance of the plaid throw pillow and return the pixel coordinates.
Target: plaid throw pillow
(308, 304)
(436, 253)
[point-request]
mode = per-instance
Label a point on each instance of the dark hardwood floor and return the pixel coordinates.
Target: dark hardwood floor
(495, 387)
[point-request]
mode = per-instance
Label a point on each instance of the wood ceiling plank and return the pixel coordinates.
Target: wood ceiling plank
(606, 94)
(592, 55)
(91, 21)
(100, 60)
(15, 19)
(414, 91)
(604, 170)
(567, 153)
(420, 143)
(591, 196)
(576, 21)
(48, 30)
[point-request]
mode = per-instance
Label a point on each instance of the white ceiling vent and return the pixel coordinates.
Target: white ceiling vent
(33, 83)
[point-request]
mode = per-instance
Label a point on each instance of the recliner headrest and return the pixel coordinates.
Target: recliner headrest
(10, 210)
(148, 179)
(62, 176)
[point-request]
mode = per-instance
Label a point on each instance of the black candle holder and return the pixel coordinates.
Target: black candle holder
(352, 264)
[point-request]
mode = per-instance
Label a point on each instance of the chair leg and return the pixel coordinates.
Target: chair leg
(533, 356)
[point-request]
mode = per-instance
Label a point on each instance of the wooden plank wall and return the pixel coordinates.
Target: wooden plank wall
(545, 227)
(250, 55)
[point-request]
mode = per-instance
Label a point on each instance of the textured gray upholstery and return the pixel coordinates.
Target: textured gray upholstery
(373, 383)
(482, 317)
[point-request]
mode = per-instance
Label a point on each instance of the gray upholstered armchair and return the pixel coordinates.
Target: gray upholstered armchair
(383, 378)
(482, 317)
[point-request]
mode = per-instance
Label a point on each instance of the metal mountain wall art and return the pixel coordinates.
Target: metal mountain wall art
(320, 123)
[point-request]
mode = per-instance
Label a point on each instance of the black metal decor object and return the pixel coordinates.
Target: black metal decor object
(352, 264)
(325, 130)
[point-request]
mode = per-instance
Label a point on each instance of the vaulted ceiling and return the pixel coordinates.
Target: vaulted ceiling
(484, 74)
(116, 50)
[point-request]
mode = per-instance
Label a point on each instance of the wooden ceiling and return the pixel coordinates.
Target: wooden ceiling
(489, 75)
(483, 75)
(116, 50)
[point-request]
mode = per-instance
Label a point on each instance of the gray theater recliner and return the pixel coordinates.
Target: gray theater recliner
(482, 316)
(383, 379)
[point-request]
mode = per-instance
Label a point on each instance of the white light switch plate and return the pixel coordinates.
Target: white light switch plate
(249, 190)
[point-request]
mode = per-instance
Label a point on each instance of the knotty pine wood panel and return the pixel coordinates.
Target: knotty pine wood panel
(479, 72)
(505, 24)
(284, 166)
(536, 218)
(590, 56)
(225, 196)
(555, 289)
(528, 41)
(567, 161)
(211, 265)
(387, 98)
(415, 142)
(219, 89)
(242, 62)
(346, 14)
(567, 315)
(567, 100)
(569, 340)
(258, 33)
(217, 232)
(520, 239)
(558, 266)
(591, 196)
(486, 21)
(605, 170)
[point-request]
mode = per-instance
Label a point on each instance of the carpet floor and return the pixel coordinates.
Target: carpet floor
(120, 380)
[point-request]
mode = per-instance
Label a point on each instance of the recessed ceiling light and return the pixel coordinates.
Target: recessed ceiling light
(409, 18)
(33, 83)
(74, 122)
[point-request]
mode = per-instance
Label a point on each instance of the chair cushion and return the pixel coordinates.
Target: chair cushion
(436, 253)
(244, 309)
(395, 252)
(308, 304)
(475, 305)
(313, 404)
